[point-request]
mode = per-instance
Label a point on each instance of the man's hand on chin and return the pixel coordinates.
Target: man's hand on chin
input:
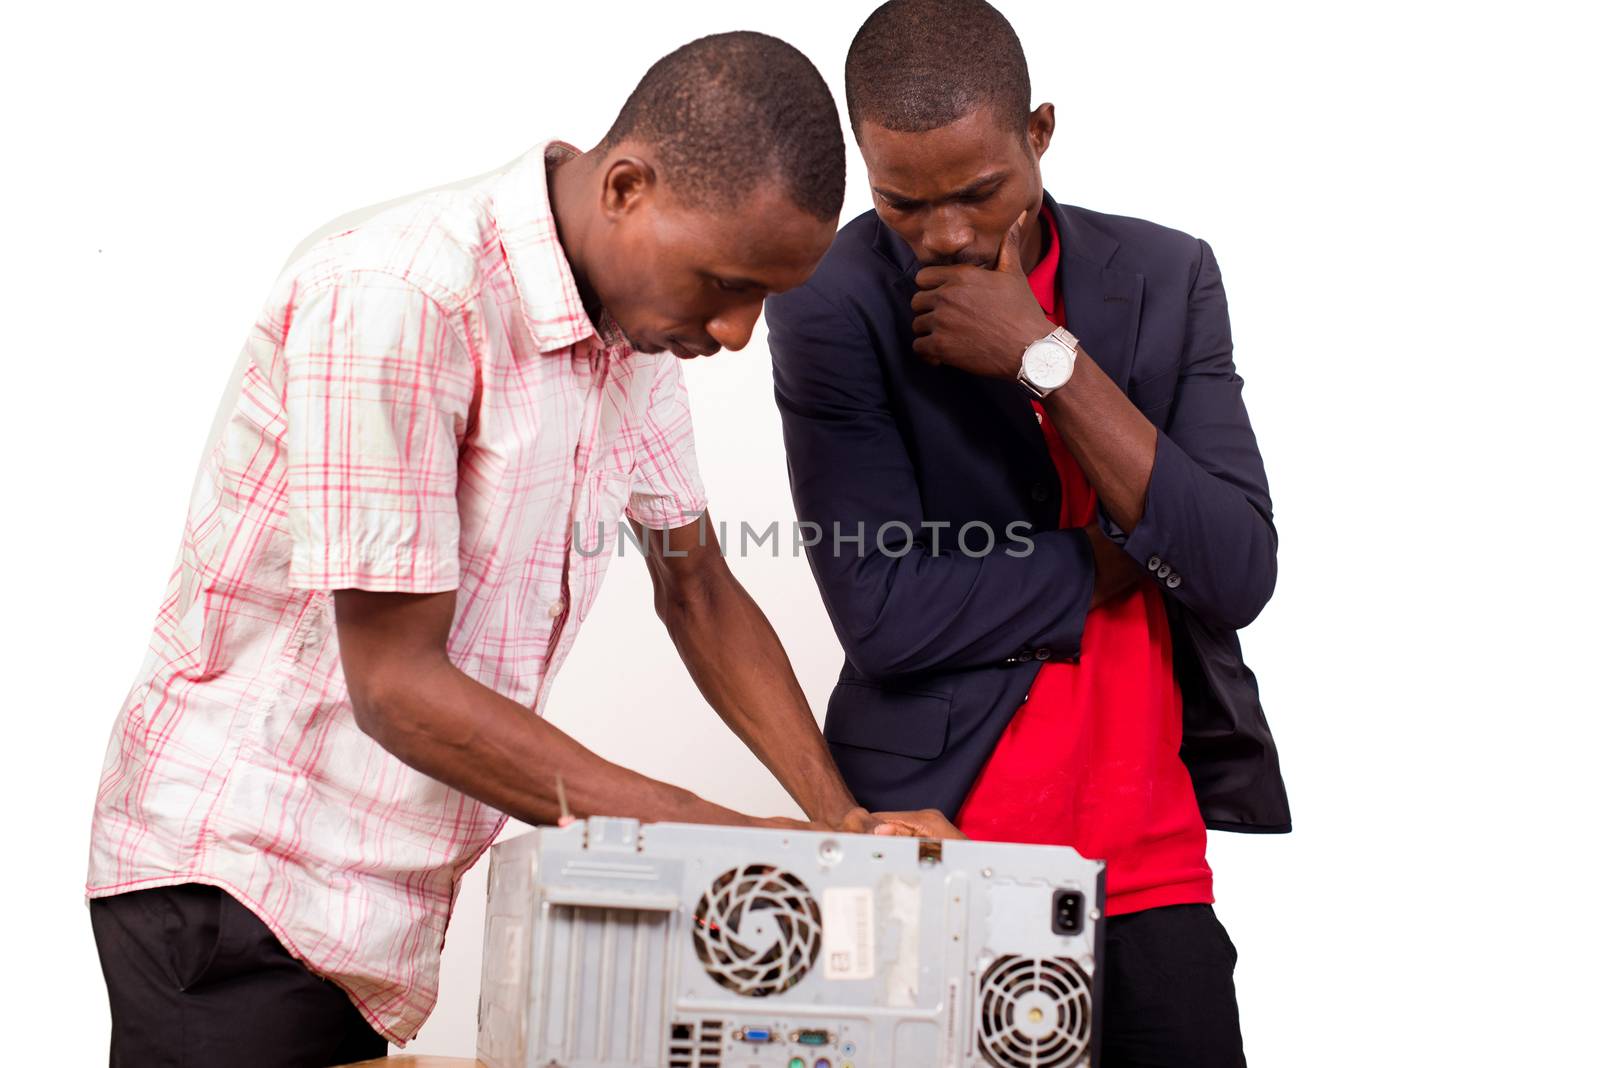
(978, 319)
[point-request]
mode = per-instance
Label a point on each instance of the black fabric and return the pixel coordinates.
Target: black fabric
(1167, 996)
(940, 647)
(197, 981)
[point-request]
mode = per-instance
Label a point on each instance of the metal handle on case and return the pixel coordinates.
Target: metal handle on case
(588, 897)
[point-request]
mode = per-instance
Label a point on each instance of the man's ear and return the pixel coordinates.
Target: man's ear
(1041, 124)
(629, 181)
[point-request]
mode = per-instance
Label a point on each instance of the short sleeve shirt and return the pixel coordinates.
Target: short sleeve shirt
(423, 405)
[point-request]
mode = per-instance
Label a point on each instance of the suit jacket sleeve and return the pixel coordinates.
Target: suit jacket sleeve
(1207, 514)
(897, 606)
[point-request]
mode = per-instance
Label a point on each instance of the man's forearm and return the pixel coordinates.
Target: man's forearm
(736, 660)
(1110, 438)
(447, 725)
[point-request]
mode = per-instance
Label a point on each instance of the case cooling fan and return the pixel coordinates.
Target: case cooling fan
(757, 930)
(1034, 1013)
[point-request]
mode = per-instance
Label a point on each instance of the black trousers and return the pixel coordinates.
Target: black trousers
(1168, 999)
(196, 981)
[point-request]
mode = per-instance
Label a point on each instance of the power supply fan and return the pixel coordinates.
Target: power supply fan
(1033, 1013)
(757, 930)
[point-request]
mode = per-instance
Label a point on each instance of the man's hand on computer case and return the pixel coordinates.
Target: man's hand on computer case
(856, 820)
(928, 823)
(859, 821)
(924, 823)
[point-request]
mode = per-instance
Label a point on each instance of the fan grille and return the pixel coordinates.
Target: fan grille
(757, 930)
(1033, 1013)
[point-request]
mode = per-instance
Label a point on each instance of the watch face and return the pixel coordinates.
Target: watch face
(1046, 364)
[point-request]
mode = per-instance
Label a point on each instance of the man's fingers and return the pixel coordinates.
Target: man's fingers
(927, 348)
(860, 821)
(924, 300)
(1115, 572)
(1010, 260)
(928, 823)
(933, 277)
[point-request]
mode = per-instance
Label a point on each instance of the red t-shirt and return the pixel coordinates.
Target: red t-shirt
(1090, 760)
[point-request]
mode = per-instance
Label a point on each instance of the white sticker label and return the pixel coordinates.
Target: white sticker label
(847, 932)
(904, 907)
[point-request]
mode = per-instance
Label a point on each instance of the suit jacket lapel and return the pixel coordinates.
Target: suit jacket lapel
(1102, 303)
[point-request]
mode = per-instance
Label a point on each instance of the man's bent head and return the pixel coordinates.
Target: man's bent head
(939, 100)
(720, 182)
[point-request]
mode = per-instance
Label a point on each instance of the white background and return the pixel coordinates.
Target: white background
(1402, 201)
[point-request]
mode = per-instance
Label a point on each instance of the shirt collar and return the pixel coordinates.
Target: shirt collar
(546, 288)
(1044, 279)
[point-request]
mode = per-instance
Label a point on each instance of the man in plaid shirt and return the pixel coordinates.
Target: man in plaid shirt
(440, 406)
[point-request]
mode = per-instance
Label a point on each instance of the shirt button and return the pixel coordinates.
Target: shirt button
(1153, 563)
(1040, 493)
(1173, 582)
(556, 608)
(1163, 571)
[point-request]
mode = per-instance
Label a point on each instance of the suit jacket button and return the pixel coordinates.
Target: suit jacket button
(1041, 654)
(1040, 492)
(1173, 582)
(1153, 563)
(1163, 571)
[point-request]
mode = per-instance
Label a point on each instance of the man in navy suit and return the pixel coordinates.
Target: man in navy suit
(1044, 515)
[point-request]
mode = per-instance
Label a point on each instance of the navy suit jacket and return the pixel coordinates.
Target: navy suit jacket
(941, 646)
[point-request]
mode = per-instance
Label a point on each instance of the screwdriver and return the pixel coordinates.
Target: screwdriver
(561, 797)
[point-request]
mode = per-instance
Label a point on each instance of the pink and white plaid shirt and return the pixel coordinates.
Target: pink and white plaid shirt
(424, 406)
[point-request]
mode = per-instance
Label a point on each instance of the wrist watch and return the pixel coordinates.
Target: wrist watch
(1048, 363)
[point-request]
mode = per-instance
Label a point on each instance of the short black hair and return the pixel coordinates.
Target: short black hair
(917, 65)
(730, 111)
